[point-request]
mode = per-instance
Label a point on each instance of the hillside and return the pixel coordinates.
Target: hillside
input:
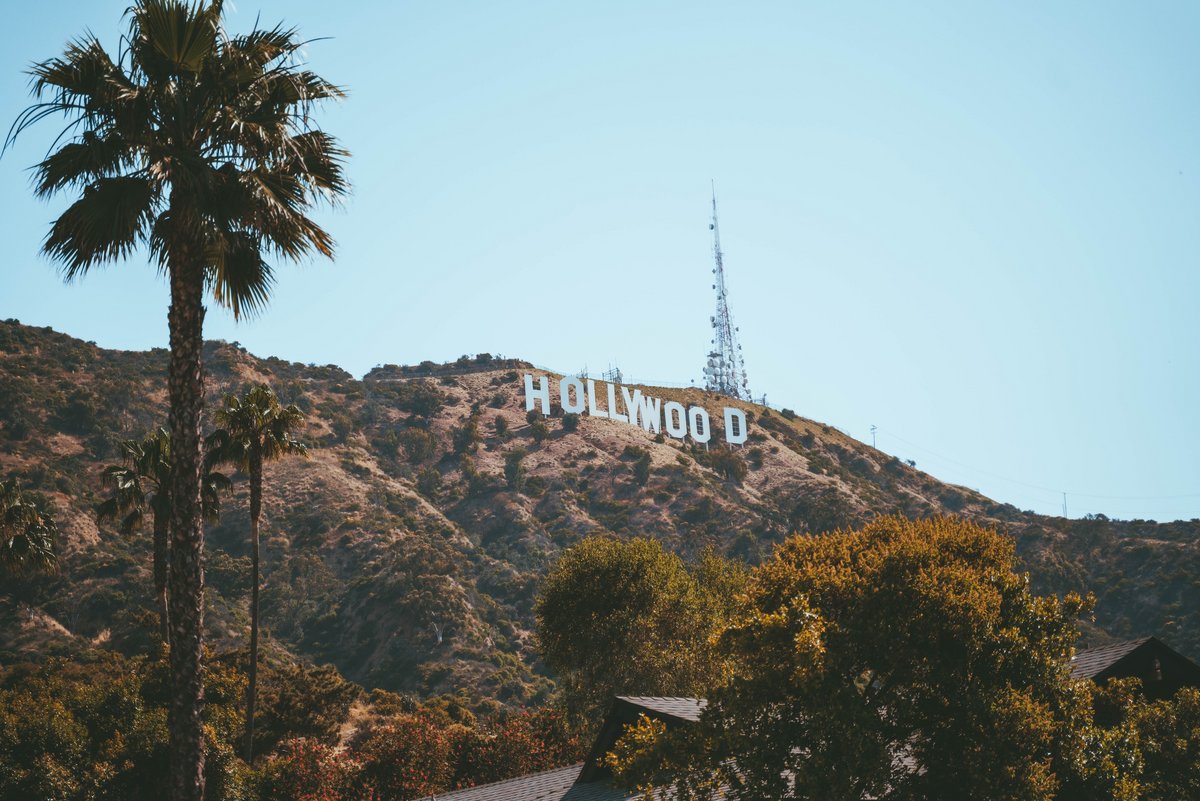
(413, 568)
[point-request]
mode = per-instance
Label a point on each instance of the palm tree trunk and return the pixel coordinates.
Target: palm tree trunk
(161, 551)
(256, 478)
(186, 581)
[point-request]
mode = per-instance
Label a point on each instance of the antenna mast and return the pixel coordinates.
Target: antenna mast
(725, 371)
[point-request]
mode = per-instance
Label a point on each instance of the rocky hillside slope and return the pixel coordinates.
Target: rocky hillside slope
(407, 550)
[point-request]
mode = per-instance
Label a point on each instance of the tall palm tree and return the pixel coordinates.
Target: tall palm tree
(252, 430)
(199, 146)
(27, 533)
(141, 484)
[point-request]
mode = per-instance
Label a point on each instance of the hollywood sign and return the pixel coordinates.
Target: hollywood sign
(578, 396)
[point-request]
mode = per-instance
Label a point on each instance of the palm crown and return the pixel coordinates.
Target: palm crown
(255, 427)
(141, 483)
(27, 533)
(193, 142)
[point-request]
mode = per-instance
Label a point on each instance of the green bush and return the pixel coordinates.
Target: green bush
(419, 444)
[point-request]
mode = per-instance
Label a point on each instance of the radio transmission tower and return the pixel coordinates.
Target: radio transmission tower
(725, 372)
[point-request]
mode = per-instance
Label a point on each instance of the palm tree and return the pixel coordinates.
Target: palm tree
(251, 431)
(199, 146)
(27, 533)
(141, 484)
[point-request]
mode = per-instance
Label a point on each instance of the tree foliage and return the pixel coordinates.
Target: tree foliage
(625, 617)
(28, 533)
(904, 660)
(201, 148)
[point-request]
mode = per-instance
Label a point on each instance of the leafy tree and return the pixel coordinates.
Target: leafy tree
(408, 758)
(1169, 735)
(27, 531)
(300, 701)
(539, 430)
(904, 660)
(500, 424)
(141, 484)
(252, 430)
(570, 422)
(200, 146)
(517, 744)
(309, 770)
(98, 731)
(625, 617)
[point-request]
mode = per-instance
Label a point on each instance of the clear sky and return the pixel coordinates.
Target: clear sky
(974, 225)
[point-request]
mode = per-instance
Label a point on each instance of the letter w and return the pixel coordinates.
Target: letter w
(648, 409)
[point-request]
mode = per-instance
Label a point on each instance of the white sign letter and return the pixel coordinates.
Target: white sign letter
(564, 395)
(735, 425)
(676, 419)
(532, 394)
(612, 405)
(594, 410)
(698, 423)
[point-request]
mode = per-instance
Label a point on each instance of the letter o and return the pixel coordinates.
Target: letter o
(565, 386)
(698, 424)
(675, 419)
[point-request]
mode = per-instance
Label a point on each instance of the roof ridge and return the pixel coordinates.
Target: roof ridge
(523, 776)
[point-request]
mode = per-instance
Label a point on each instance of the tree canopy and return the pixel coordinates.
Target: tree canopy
(626, 617)
(908, 659)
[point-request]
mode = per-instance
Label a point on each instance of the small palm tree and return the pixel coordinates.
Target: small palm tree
(252, 430)
(200, 147)
(27, 533)
(140, 485)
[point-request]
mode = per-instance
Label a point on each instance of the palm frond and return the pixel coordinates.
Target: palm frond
(27, 532)
(183, 34)
(106, 223)
(81, 162)
(239, 278)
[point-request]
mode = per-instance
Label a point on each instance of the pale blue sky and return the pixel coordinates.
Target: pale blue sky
(973, 225)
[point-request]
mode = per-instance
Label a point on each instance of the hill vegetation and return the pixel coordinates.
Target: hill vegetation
(407, 551)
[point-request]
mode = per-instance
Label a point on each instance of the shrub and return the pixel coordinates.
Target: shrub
(570, 422)
(421, 398)
(407, 758)
(298, 701)
(539, 430)
(501, 426)
(514, 470)
(429, 482)
(307, 770)
(418, 443)
(641, 468)
(466, 438)
(729, 465)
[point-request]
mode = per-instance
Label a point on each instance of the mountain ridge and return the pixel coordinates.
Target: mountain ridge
(407, 549)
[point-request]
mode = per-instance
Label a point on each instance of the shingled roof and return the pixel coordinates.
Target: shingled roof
(626, 710)
(1162, 669)
(560, 784)
(590, 783)
(1094, 661)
